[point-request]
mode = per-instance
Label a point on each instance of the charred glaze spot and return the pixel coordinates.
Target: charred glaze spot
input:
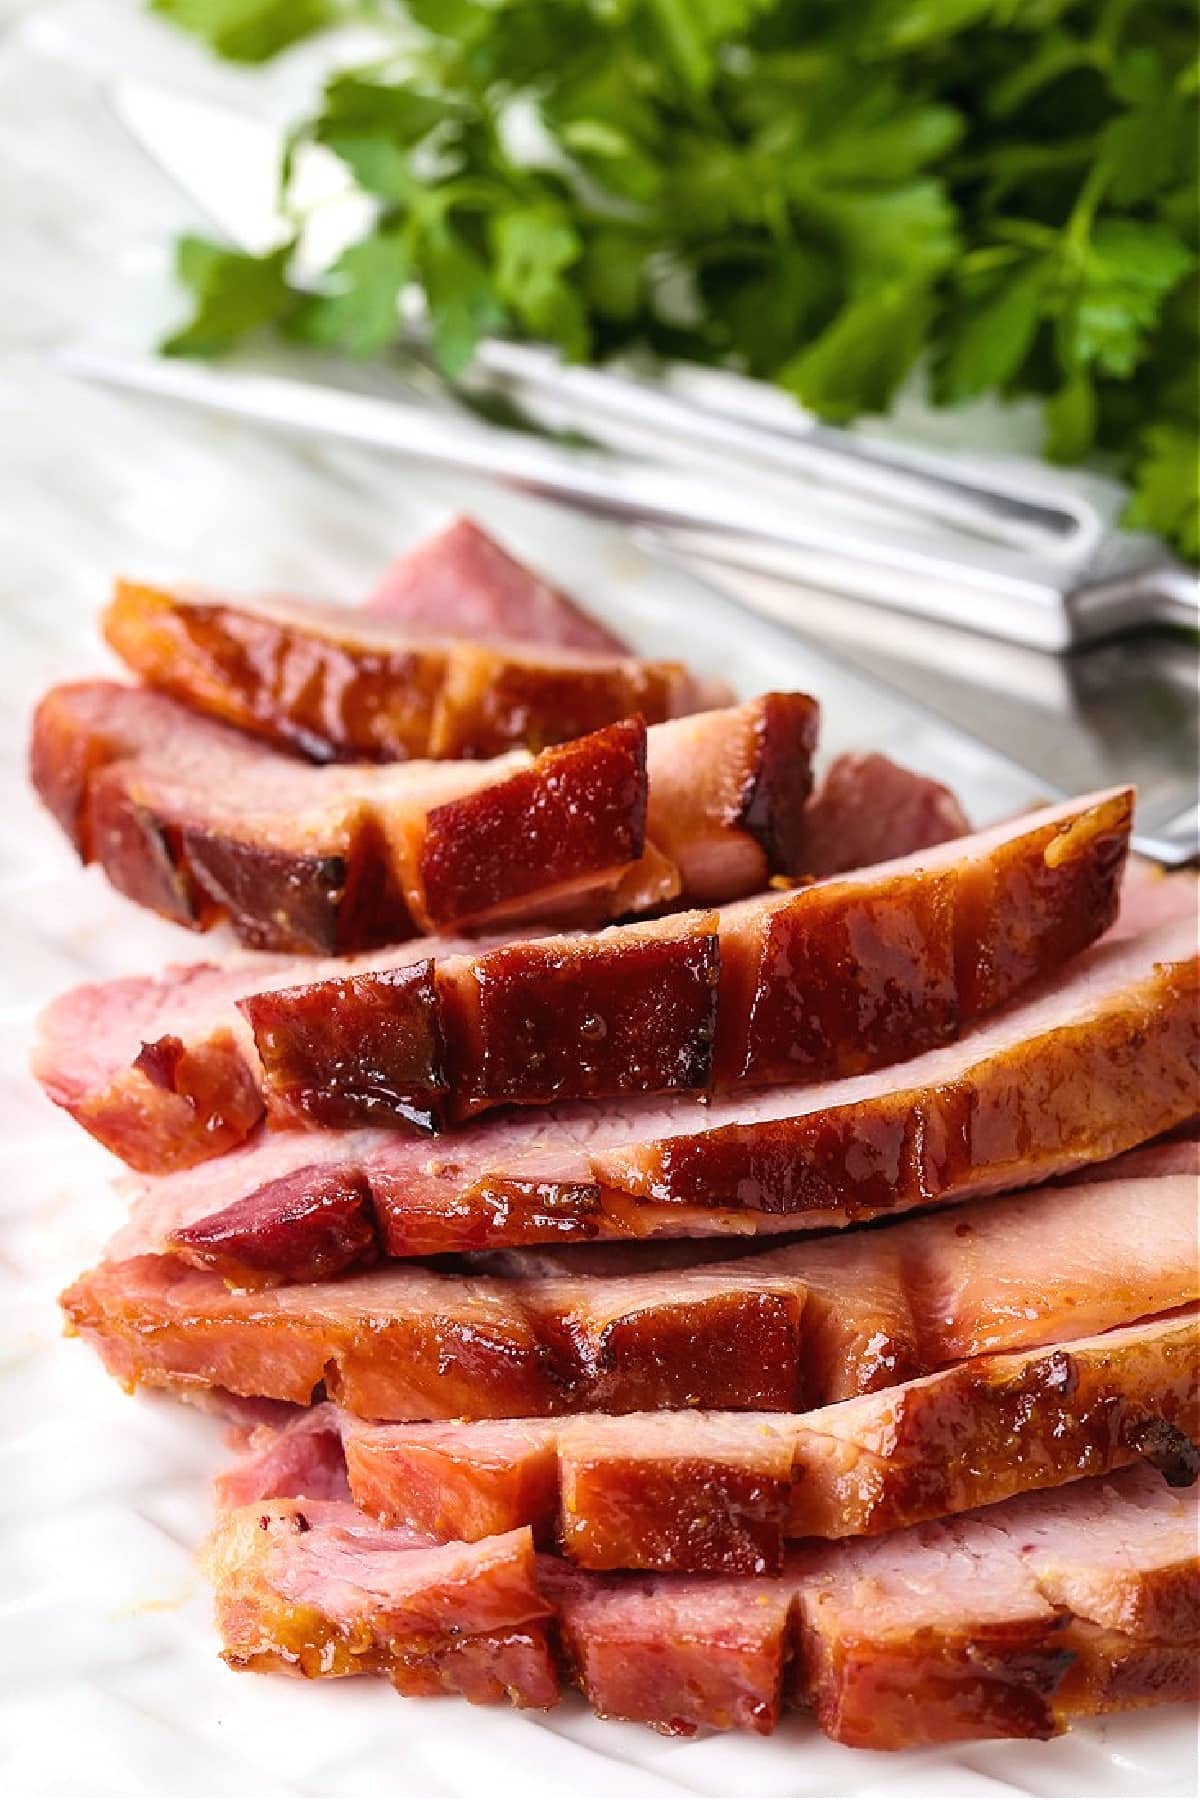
(159, 1062)
(1166, 1448)
(772, 805)
(305, 1226)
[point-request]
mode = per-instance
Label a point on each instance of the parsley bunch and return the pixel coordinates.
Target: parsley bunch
(814, 192)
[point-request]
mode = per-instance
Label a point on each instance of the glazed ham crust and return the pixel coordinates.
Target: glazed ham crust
(166, 1072)
(711, 1492)
(835, 979)
(197, 822)
(1079, 1070)
(781, 1331)
(336, 685)
(1008, 1622)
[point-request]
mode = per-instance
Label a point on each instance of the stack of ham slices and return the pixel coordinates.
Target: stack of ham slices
(658, 1222)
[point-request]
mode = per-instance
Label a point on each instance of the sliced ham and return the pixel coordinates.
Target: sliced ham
(1005, 1622)
(1081, 1069)
(783, 1330)
(197, 822)
(829, 980)
(163, 1070)
(842, 976)
(868, 809)
(463, 582)
(340, 687)
(1008, 1623)
(713, 1492)
(313, 1588)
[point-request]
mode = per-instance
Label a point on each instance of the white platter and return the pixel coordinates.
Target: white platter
(109, 1677)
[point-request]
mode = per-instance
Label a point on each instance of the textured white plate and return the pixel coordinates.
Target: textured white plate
(109, 1679)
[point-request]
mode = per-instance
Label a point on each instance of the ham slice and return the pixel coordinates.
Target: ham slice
(1005, 1622)
(784, 1330)
(334, 685)
(869, 810)
(197, 822)
(314, 1588)
(837, 978)
(1079, 1070)
(1008, 1623)
(828, 980)
(462, 581)
(715, 1492)
(163, 1069)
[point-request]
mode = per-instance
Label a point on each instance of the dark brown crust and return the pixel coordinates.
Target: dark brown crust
(719, 1494)
(780, 1332)
(540, 1022)
(526, 1023)
(337, 689)
(843, 978)
(142, 853)
(618, 1514)
(572, 820)
(177, 1104)
(973, 1435)
(303, 1228)
(353, 1050)
(780, 781)
(1027, 1680)
(578, 811)
(1039, 1106)
(833, 980)
(971, 1683)
(448, 1353)
(1020, 915)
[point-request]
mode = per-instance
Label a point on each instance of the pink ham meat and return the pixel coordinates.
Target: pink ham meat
(163, 1069)
(313, 1588)
(722, 1492)
(463, 582)
(829, 980)
(1081, 1069)
(868, 810)
(1007, 1622)
(338, 686)
(197, 822)
(785, 1330)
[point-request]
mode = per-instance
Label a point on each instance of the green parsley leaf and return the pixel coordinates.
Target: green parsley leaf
(1129, 269)
(233, 294)
(992, 335)
(361, 312)
(859, 361)
(1071, 420)
(249, 30)
(463, 302)
(1166, 495)
(534, 246)
(818, 193)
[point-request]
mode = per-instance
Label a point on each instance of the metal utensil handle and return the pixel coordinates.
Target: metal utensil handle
(837, 457)
(1175, 597)
(642, 493)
